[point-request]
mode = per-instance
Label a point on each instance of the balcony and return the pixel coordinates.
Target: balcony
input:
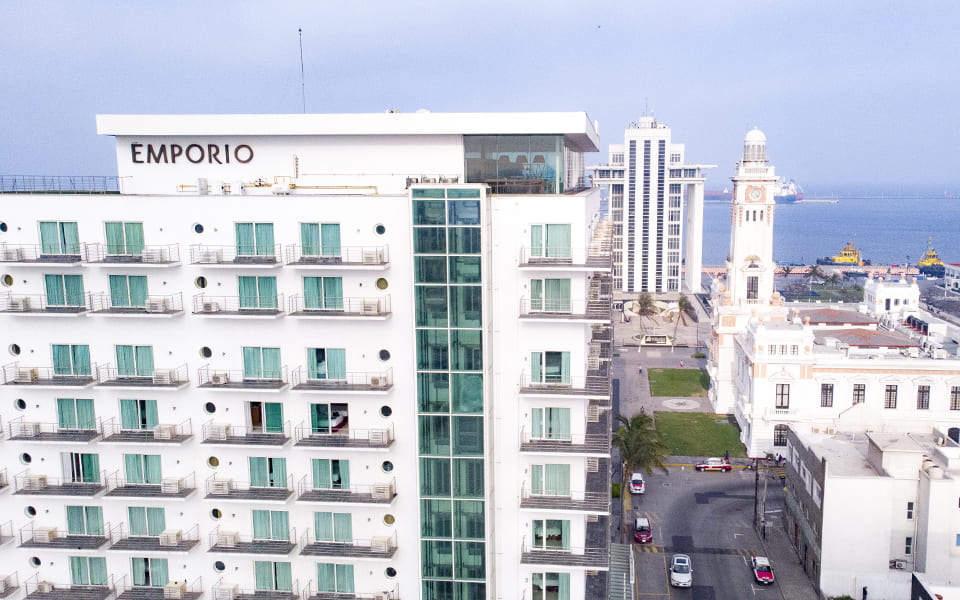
(594, 444)
(36, 305)
(6, 535)
(376, 547)
(308, 593)
(40, 485)
(227, 256)
(380, 493)
(56, 539)
(121, 256)
(353, 382)
(4, 480)
(594, 258)
(782, 415)
(37, 255)
(345, 437)
(346, 257)
(169, 540)
(225, 591)
(250, 307)
(171, 488)
(596, 502)
(163, 433)
(231, 542)
(237, 380)
(9, 584)
(153, 306)
(31, 431)
(230, 489)
(46, 377)
(46, 590)
(594, 556)
(179, 590)
(595, 385)
(373, 309)
(594, 311)
(226, 434)
(160, 379)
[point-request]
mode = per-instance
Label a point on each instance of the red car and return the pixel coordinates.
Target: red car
(714, 464)
(642, 532)
(762, 571)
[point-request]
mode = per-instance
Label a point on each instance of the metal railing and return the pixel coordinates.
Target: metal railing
(307, 592)
(120, 533)
(351, 381)
(109, 375)
(370, 256)
(162, 431)
(179, 590)
(14, 374)
(33, 535)
(172, 486)
(19, 429)
(339, 306)
(564, 499)
(224, 487)
(345, 437)
(214, 432)
(59, 184)
(168, 254)
(6, 529)
(35, 586)
(24, 481)
(9, 584)
(225, 255)
(37, 303)
(4, 479)
(237, 305)
(383, 492)
(225, 591)
(581, 442)
(570, 556)
(219, 539)
(164, 305)
(570, 309)
(564, 384)
(35, 253)
(208, 377)
(384, 545)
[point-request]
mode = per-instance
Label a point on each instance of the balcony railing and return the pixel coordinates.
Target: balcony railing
(169, 540)
(308, 593)
(40, 255)
(225, 591)
(101, 303)
(46, 590)
(32, 536)
(345, 256)
(340, 307)
(41, 485)
(344, 438)
(234, 380)
(126, 590)
(230, 255)
(164, 433)
(375, 547)
(50, 432)
(547, 309)
(14, 374)
(123, 255)
(227, 434)
(244, 490)
(379, 493)
(575, 500)
(582, 443)
(565, 257)
(169, 487)
(4, 479)
(37, 304)
(220, 540)
(173, 378)
(6, 533)
(590, 385)
(238, 306)
(9, 584)
(591, 558)
(352, 382)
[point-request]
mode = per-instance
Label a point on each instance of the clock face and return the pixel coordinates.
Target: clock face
(755, 194)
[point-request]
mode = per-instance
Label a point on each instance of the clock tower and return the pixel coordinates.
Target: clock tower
(750, 266)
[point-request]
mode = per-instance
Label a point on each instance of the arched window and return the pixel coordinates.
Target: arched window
(780, 435)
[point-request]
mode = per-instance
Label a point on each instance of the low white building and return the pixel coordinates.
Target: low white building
(951, 276)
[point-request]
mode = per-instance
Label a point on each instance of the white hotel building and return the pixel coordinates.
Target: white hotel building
(299, 356)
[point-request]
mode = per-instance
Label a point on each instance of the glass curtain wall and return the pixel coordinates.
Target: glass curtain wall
(516, 164)
(449, 353)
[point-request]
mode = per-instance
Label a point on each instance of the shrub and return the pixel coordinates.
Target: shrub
(615, 491)
(699, 355)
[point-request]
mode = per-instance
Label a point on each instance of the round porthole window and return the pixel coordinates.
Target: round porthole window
(380, 229)
(209, 408)
(14, 349)
(198, 228)
(385, 411)
(30, 511)
(389, 519)
(384, 355)
(3, 227)
(200, 282)
(213, 462)
(215, 514)
(7, 280)
(390, 572)
(20, 404)
(206, 352)
(34, 561)
(387, 466)
(25, 458)
(218, 566)
(382, 283)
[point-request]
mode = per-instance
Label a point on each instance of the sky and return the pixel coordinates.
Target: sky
(857, 95)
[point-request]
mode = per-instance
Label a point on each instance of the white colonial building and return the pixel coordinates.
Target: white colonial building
(307, 355)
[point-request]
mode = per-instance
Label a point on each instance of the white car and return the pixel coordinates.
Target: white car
(636, 484)
(681, 571)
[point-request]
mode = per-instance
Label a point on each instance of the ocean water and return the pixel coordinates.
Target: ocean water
(887, 231)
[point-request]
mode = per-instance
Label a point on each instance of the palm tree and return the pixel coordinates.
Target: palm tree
(639, 443)
(645, 307)
(813, 273)
(834, 279)
(684, 310)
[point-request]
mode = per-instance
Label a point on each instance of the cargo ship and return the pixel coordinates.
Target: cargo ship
(787, 191)
(849, 257)
(931, 265)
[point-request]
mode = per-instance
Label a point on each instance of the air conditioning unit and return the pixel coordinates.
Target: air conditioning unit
(170, 537)
(34, 482)
(20, 304)
(153, 255)
(44, 535)
(221, 487)
(209, 255)
(899, 564)
(280, 189)
(380, 544)
(22, 429)
(382, 491)
(219, 379)
(593, 465)
(371, 307)
(219, 432)
(376, 381)
(211, 307)
(44, 587)
(162, 378)
(174, 590)
(13, 254)
(225, 592)
(830, 430)
(164, 432)
(203, 186)
(28, 375)
(371, 257)
(227, 539)
(383, 596)
(157, 306)
(171, 486)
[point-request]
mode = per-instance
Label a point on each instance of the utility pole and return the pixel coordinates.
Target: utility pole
(756, 488)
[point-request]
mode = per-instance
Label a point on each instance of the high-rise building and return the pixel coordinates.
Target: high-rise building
(291, 356)
(650, 186)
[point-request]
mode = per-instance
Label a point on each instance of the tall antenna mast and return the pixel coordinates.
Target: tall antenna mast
(303, 88)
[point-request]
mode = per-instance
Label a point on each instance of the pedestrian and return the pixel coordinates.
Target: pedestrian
(681, 364)
(726, 455)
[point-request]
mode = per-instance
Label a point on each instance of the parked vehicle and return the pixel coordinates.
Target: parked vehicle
(714, 464)
(681, 571)
(762, 571)
(636, 484)
(642, 532)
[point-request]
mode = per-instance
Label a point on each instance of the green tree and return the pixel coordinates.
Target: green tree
(834, 279)
(639, 443)
(814, 273)
(645, 308)
(684, 310)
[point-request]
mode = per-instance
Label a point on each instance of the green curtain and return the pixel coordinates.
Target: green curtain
(144, 359)
(345, 579)
(280, 524)
(330, 239)
(55, 292)
(273, 417)
(284, 576)
(326, 578)
(61, 359)
(333, 293)
(70, 238)
(309, 239)
(156, 521)
(342, 527)
(557, 481)
(557, 295)
(126, 365)
(264, 239)
(252, 365)
(158, 572)
(76, 523)
(536, 479)
(137, 517)
(536, 241)
(536, 367)
(320, 418)
(119, 292)
(564, 367)
(79, 574)
(114, 232)
(151, 469)
(258, 472)
(86, 418)
(278, 472)
(66, 413)
(247, 288)
(316, 363)
(133, 464)
(558, 423)
(90, 468)
(129, 415)
(323, 526)
(138, 290)
(267, 292)
(80, 356)
(133, 232)
(49, 237)
(558, 241)
(93, 520)
(563, 589)
(261, 525)
(565, 534)
(336, 363)
(98, 570)
(148, 413)
(536, 294)
(321, 474)
(74, 290)
(312, 293)
(340, 470)
(263, 575)
(536, 423)
(271, 363)
(139, 568)
(246, 244)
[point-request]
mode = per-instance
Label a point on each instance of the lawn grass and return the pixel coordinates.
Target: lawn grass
(687, 383)
(698, 434)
